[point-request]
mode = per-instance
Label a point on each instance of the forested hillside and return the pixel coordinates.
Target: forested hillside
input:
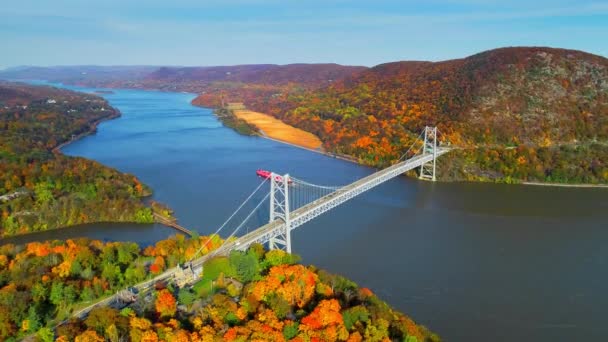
(42, 283)
(256, 295)
(83, 74)
(42, 189)
(514, 113)
(310, 75)
(233, 81)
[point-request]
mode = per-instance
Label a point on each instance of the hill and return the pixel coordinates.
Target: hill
(191, 79)
(82, 75)
(42, 189)
(516, 113)
(256, 295)
(310, 75)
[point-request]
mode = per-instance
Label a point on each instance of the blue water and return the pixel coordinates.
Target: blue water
(471, 261)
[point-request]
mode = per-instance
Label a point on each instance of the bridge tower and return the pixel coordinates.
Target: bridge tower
(279, 208)
(427, 170)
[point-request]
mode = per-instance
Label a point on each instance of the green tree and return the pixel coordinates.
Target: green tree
(186, 297)
(69, 294)
(111, 273)
(45, 334)
(56, 296)
(127, 252)
(127, 312)
(290, 330)
(144, 215)
(39, 293)
(278, 257)
(353, 315)
(87, 273)
(34, 321)
(87, 294)
(43, 193)
(246, 265)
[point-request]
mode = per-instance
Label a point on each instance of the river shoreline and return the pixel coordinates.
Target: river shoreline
(328, 154)
(464, 243)
(264, 135)
(92, 130)
(259, 132)
(274, 128)
(325, 153)
(57, 150)
(566, 185)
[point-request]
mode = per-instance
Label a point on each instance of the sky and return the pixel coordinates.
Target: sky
(227, 32)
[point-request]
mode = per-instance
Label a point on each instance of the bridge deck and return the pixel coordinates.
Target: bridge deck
(315, 208)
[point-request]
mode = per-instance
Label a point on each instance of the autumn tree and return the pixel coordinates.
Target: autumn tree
(165, 303)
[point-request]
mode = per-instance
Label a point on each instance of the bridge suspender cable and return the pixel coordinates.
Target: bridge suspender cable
(244, 221)
(229, 218)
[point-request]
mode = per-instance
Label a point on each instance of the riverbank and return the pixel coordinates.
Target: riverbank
(165, 221)
(92, 129)
(276, 129)
(271, 128)
(66, 191)
(319, 151)
(565, 185)
(267, 126)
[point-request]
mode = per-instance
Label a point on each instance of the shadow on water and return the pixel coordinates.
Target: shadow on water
(144, 234)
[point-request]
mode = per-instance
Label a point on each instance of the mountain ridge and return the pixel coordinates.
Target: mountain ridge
(531, 99)
(503, 106)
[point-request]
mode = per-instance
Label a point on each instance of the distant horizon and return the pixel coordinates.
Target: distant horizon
(238, 32)
(277, 64)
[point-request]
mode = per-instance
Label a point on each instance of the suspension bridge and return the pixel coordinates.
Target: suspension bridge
(292, 203)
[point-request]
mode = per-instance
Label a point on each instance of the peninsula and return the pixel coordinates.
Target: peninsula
(42, 189)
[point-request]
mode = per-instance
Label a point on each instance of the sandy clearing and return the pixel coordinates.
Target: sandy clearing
(277, 129)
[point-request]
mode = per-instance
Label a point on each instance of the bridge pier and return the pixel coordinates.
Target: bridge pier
(279, 208)
(427, 170)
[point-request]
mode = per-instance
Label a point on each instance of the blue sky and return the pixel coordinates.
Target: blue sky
(216, 32)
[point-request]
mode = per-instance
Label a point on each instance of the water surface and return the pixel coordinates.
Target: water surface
(471, 261)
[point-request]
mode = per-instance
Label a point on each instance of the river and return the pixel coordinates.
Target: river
(470, 261)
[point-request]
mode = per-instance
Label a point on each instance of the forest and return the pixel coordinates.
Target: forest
(511, 114)
(255, 295)
(42, 189)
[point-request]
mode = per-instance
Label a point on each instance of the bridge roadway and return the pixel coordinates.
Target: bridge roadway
(298, 217)
(323, 204)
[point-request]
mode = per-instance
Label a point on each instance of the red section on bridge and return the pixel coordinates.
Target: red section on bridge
(266, 174)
